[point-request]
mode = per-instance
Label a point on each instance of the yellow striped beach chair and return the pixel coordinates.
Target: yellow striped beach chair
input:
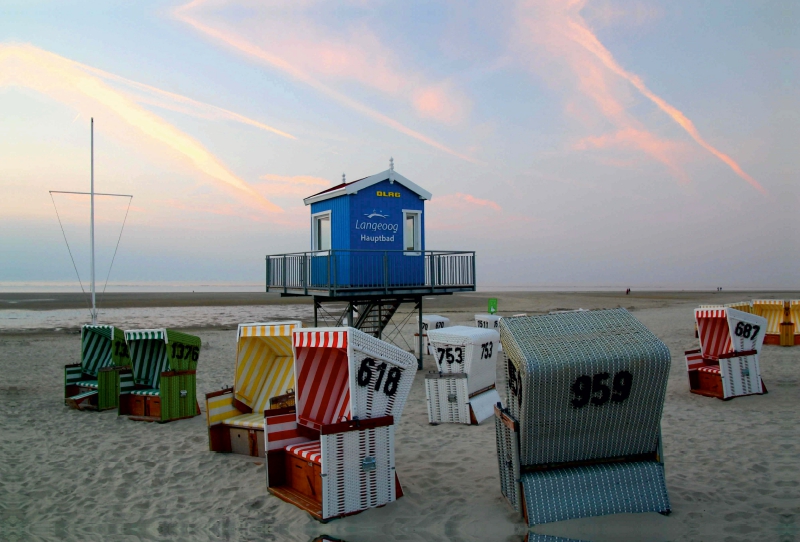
(744, 306)
(264, 378)
(772, 310)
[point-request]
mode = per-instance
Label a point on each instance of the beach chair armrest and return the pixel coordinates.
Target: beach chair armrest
(737, 354)
(219, 392)
(220, 407)
(72, 373)
(356, 425)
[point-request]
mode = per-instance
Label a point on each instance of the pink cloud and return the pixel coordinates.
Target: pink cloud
(557, 42)
(285, 37)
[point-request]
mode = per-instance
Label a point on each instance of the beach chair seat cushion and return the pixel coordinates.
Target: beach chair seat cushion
(709, 369)
(254, 420)
(87, 383)
(310, 451)
(148, 392)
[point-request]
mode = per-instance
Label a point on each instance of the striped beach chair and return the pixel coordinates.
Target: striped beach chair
(726, 364)
(744, 306)
(264, 371)
(161, 383)
(581, 432)
(332, 454)
(463, 389)
(92, 384)
(772, 310)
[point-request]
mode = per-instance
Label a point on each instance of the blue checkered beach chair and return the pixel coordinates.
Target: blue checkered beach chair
(580, 435)
(93, 383)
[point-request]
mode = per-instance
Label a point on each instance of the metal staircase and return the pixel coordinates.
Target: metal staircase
(373, 317)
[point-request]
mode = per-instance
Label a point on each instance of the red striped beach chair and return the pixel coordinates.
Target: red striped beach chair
(463, 389)
(93, 383)
(726, 364)
(332, 454)
(264, 371)
(161, 383)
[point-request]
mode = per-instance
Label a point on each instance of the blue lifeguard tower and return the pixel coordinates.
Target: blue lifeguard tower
(368, 250)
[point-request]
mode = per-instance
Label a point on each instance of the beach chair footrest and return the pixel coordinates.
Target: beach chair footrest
(594, 490)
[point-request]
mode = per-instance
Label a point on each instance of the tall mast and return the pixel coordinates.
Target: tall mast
(94, 307)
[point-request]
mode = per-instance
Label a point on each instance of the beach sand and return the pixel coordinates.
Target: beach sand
(731, 466)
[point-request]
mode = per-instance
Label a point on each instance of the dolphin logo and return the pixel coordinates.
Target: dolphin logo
(373, 214)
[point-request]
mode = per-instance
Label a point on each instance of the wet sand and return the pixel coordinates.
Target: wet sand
(69, 475)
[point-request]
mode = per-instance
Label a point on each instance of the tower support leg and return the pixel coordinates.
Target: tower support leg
(419, 308)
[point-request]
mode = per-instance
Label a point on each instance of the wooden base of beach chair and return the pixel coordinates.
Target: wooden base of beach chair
(246, 441)
(787, 334)
(82, 400)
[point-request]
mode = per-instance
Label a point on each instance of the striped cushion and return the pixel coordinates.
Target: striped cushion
(83, 395)
(254, 420)
(95, 348)
(310, 451)
(150, 392)
(87, 383)
(709, 369)
(323, 393)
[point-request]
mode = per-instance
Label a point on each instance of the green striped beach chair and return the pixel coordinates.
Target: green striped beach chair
(161, 383)
(93, 384)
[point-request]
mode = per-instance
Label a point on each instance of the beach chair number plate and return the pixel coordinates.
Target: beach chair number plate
(486, 350)
(365, 373)
(185, 351)
(515, 383)
(446, 354)
(585, 389)
(748, 331)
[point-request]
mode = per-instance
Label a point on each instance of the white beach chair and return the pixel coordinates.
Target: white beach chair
(463, 389)
(581, 434)
(332, 454)
(431, 321)
(727, 363)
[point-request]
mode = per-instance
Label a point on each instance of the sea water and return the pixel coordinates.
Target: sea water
(151, 317)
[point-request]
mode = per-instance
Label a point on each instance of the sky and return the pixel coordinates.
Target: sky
(583, 143)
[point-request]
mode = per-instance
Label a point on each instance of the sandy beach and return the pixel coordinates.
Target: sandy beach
(71, 475)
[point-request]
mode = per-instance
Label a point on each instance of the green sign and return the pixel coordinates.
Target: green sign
(492, 305)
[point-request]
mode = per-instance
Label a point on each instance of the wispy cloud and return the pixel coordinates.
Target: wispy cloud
(191, 106)
(68, 82)
(556, 34)
(294, 185)
(361, 58)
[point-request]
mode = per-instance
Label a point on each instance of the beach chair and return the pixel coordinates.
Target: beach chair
(772, 310)
(794, 310)
(463, 389)
(581, 432)
(332, 454)
(726, 364)
(430, 321)
(161, 383)
(744, 306)
(264, 378)
(488, 321)
(92, 384)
